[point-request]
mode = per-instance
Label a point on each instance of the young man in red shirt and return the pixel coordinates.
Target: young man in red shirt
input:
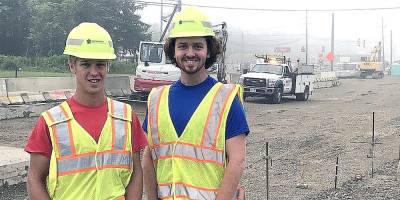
(88, 146)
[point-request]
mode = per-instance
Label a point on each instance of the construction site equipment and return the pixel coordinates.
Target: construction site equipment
(273, 77)
(153, 70)
(222, 34)
(373, 65)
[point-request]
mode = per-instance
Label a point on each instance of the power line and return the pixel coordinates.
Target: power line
(270, 10)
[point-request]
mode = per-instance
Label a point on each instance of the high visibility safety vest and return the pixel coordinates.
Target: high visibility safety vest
(193, 165)
(80, 168)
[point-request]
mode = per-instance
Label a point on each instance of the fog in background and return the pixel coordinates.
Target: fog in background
(259, 26)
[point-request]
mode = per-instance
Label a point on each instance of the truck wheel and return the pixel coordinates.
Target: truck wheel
(277, 96)
(303, 96)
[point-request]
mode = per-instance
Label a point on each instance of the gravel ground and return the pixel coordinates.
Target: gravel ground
(305, 138)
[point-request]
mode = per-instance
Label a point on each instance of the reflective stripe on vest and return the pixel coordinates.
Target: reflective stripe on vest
(74, 165)
(87, 162)
(184, 190)
(118, 160)
(153, 113)
(190, 152)
(69, 162)
(214, 120)
(119, 129)
(62, 130)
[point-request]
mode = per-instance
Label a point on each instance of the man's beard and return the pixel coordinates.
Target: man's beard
(190, 70)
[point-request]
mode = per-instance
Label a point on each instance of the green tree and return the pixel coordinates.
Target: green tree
(119, 18)
(53, 19)
(14, 26)
(51, 23)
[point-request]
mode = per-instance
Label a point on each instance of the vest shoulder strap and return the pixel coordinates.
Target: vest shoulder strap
(57, 114)
(155, 94)
(119, 110)
(238, 90)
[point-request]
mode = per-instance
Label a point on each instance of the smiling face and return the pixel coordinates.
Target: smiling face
(90, 75)
(191, 54)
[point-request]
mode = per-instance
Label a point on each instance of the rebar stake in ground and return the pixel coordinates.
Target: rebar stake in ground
(371, 154)
(302, 184)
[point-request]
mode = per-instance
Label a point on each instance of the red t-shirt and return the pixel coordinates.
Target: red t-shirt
(92, 119)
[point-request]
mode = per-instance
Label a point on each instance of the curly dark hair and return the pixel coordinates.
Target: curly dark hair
(214, 49)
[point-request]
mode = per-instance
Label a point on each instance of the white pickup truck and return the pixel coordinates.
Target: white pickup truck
(273, 81)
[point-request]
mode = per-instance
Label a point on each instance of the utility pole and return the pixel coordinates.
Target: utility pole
(333, 39)
(242, 52)
(383, 45)
(161, 17)
(177, 8)
(306, 37)
(391, 48)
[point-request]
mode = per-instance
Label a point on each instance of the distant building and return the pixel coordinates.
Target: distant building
(351, 53)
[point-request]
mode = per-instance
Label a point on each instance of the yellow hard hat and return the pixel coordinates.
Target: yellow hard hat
(190, 22)
(89, 40)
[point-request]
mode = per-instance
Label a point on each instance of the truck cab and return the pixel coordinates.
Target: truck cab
(154, 69)
(273, 81)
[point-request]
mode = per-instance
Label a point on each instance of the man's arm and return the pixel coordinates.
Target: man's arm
(236, 150)
(150, 182)
(135, 187)
(38, 171)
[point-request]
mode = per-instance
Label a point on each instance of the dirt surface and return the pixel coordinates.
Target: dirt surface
(305, 139)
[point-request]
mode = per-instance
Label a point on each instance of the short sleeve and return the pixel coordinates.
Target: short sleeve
(236, 123)
(39, 141)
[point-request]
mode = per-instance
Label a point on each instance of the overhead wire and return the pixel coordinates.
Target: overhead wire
(269, 9)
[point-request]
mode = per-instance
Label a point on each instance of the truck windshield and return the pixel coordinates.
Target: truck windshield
(151, 52)
(271, 69)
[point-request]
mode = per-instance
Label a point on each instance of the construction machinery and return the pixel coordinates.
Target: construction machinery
(373, 65)
(222, 34)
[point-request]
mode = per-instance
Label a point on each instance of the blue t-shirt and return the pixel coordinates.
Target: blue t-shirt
(183, 101)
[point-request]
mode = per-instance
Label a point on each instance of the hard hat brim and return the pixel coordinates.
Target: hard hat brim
(191, 34)
(100, 56)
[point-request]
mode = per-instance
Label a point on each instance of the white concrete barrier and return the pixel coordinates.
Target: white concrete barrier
(40, 84)
(32, 97)
(4, 100)
(13, 165)
(39, 89)
(3, 92)
(325, 76)
(15, 97)
(55, 95)
(118, 85)
(326, 79)
(3, 88)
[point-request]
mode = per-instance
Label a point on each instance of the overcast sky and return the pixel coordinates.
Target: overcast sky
(349, 25)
